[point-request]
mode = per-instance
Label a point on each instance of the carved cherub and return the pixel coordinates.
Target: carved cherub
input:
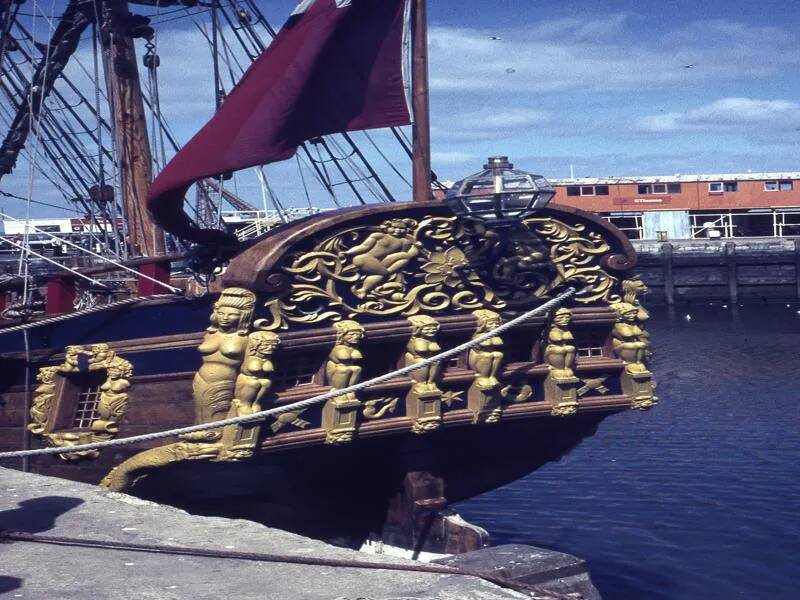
(253, 381)
(382, 255)
(559, 353)
(422, 346)
(343, 369)
(630, 342)
(485, 359)
(71, 358)
(101, 355)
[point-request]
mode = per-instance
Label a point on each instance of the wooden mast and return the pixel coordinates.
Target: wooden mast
(144, 238)
(421, 131)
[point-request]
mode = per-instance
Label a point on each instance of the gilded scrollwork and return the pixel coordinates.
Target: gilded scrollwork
(438, 265)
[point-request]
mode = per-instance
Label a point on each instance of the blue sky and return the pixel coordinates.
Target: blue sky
(602, 86)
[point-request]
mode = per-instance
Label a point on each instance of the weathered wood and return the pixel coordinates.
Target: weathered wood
(133, 148)
(733, 283)
(797, 267)
(669, 284)
(421, 130)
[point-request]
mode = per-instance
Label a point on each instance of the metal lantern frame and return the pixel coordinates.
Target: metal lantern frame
(499, 195)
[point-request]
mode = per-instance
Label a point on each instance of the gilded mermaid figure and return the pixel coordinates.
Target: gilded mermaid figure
(559, 353)
(486, 357)
(223, 349)
(421, 347)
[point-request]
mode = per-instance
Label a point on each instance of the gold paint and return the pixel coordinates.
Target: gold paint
(439, 265)
(596, 383)
(485, 359)
(340, 415)
(631, 345)
(125, 474)
(112, 401)
(375, 409)
(560, 385)
(252, 384)
(424, 399)
(224, 347)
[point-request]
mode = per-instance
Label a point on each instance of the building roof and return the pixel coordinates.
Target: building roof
(677, 178)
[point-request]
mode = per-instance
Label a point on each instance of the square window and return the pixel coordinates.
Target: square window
(601, 190)
(573, 190)
(659, 188)
(645, 189)
(770, 186)
(674, 188)
(784, 186)
(715, 187)
(587, 190)
(731, 186)
(86, 410)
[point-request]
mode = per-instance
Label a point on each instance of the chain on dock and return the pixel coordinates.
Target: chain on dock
(534, 591)
(303, 404)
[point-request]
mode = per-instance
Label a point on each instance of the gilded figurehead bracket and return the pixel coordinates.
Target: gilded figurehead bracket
(82, 400)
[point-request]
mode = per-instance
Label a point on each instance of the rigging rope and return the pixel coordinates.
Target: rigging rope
(302, 404)
(84, 312)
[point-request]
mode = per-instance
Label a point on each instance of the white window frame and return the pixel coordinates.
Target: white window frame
(720, 189)
(638, 220)
(590, 187)
(778, 183)
(655, 193)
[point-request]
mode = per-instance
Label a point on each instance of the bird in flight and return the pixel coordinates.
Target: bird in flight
(494, 37)
(689, 66)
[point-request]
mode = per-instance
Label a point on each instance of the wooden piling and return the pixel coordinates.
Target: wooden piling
(669, 283)
(733, 282)
(797, 267)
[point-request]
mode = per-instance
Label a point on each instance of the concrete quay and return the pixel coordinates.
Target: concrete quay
(47, 506)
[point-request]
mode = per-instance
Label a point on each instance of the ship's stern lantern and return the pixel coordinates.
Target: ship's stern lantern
(499, 195)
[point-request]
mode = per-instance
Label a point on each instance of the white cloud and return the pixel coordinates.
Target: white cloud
(491, 123)
(604, 55)
(727, 113)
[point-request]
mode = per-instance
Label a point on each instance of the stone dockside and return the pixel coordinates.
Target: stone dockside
(55, 507)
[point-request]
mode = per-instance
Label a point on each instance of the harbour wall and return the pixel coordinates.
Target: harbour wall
(745, 269)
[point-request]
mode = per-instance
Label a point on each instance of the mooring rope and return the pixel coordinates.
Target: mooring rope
(302, 404)
(85, 311)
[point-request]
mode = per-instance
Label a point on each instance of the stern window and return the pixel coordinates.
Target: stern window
(86, 409)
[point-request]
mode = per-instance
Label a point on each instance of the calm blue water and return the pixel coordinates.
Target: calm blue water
(698, 498)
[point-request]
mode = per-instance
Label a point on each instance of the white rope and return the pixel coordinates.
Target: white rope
(302, 404)
(95, 254)
(26, 250)
(92, 309)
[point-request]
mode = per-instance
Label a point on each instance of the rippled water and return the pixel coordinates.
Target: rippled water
(698, 498)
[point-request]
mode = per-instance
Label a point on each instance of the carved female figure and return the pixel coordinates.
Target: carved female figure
(113, 396)
(223, 349)
(630, 342)
(43, 399)
(71, 357)
(559, 353)
(343, 369)
(253, 381)
(422, 346)
(485, 359)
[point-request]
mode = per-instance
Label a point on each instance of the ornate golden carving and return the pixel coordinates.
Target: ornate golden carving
(112, 400)
(631, 344)
(223, 348)
(484, 395)
(560, 385)
(375, 409)
(43, 400)
(424, 399)
(594, 383)
(340, 415)
(252, 384)
(125, 474)
(436, 265)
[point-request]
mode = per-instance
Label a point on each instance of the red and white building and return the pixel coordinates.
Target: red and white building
(727, 205)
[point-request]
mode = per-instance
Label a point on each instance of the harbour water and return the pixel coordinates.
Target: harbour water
(698, 498)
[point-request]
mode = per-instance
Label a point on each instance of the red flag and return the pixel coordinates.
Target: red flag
(336, 65)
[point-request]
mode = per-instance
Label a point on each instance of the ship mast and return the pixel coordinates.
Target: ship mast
(144, 238)
(421, 132)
